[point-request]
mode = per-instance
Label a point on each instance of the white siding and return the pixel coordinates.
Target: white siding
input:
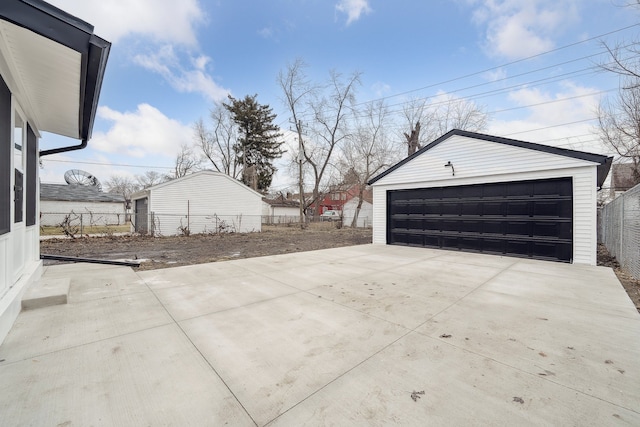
(365, 216)
(206, 202)
(479, 162)
(100, 213)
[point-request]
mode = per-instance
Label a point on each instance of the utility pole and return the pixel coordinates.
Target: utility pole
(300, 186)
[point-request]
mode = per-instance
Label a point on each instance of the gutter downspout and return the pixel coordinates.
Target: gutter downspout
(81, 146)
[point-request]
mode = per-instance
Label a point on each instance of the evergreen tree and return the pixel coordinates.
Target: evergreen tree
(259, 142)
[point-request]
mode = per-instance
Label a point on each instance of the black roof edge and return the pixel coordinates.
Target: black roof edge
(96, 66)
(603, 168)
(74, 33)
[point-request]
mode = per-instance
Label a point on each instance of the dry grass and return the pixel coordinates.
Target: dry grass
(47, 230)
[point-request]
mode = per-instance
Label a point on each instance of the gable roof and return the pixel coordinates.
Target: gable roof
(622, 178)
(604, 162)
(54, 65)
(218, 175)
(282, 202)
(76, 193)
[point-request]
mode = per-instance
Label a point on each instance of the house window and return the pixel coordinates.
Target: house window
(18, 143)
(5, 157)
(18, 164)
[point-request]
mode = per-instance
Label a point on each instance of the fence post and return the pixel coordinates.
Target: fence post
(621, 228)
(81, 226)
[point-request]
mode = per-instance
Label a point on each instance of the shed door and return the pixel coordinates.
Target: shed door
(141, 211)
(532, 219)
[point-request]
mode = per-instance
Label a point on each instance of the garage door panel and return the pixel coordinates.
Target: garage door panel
(548, 229)
(492, 208)
(493, 246)
(518, 208)
(519, 188)
(450, 208)
(526, 219)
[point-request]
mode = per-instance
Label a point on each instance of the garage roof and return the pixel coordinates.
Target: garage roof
(53, 64)
(76, 193)
(604, 162)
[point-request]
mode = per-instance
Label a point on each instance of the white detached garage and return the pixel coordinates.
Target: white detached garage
(203, 202)
(480, 193)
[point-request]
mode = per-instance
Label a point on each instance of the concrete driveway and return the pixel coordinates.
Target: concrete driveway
(364, 335)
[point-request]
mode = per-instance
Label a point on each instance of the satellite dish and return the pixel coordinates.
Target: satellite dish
(80, 177)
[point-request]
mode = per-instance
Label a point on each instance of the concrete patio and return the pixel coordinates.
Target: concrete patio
(364, 335)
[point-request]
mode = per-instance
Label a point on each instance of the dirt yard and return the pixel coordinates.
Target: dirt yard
(163, 252)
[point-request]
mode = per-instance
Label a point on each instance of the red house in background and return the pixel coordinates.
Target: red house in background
(337, 196)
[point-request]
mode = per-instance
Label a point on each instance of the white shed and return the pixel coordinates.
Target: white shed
(480, 193)
(59, 200)
(365, 215)
(280, 210)
(203, 202)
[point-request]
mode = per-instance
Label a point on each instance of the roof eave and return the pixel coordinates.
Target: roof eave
(60, 27)
(604, 162)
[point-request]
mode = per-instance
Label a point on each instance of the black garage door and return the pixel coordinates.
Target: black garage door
(531, 219)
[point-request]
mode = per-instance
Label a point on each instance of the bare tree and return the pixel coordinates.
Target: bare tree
(448, 112)
(619, 120)
(121, 184)
(297, 92)
(619, 126)
(428, 121)
(186, 162)
(368, 150)
(217, 143)
(149, 178)
(331, 114)
(414, 111)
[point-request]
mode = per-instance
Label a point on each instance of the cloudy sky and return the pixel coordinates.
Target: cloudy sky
(531, 64)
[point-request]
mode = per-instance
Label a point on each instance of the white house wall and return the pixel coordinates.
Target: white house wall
(280, 214)
(480, 162)
(365, 216)
(206, 202)
(98, 213)
(20, 263)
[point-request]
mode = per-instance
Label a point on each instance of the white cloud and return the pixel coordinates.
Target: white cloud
(353, 8)
(142, 133)
(161, 20)
(381, 89)
(195, 80)
(517, 29)
(564, 123)
(495, 75)
(571, 103)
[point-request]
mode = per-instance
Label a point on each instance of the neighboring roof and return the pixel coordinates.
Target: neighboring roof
(214, 175)
(604, 162)
(282, 202)
(76, 193)
(54, 64)
(622, 178)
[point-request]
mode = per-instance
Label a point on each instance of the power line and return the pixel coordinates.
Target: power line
(580, 72)
(107, 164)
(476, 73)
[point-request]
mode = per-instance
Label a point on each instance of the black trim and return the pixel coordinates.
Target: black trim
(32, 176)
(89, 260)
(18, 196)
(67, 30)
(603, 161)
(6, 153)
